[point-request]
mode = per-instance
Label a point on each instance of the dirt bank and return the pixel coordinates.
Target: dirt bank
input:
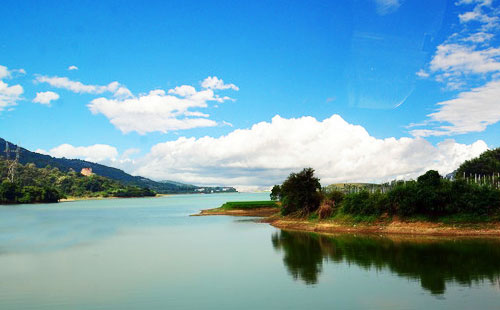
(257, 212)
(394, 227)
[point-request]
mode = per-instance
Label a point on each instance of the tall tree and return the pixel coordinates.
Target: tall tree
(300, 193)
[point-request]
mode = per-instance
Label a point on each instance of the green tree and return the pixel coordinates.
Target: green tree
(486, 164)
(275, 193)
(300, 193)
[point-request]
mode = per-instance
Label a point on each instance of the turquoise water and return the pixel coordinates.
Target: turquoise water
(149, 254)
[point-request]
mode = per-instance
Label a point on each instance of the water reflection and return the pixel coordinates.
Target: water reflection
(434, 262)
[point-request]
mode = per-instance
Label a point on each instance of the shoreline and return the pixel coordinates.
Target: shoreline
(394, 227)
(71, 199)
(256, 212)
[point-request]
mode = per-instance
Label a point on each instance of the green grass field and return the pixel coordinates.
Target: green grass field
(233, 205)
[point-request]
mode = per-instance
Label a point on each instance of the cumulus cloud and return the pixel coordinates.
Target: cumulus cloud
(78, 87)
(471, 111)
(9, 95)
(70, 68)
(212, 82)
(94, 153)
(267, 152)
(385, 7)
(45, 97)
(159, 110)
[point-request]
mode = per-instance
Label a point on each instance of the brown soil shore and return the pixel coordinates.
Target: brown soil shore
(395, 227)
(257, 212)
(390, 228)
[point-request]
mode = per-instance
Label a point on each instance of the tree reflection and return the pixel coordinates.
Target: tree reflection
(432, 261)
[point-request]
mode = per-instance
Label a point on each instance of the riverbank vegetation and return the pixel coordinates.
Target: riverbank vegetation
(430, 198)
(29, 184)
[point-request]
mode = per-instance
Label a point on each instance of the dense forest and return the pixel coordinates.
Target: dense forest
(66, 165)
(31, 184)
(430, 196)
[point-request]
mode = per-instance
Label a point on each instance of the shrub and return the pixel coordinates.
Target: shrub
(325, 210)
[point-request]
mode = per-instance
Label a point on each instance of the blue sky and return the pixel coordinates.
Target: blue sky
(393, 68)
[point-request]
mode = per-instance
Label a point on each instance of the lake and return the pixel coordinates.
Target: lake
(148, 253)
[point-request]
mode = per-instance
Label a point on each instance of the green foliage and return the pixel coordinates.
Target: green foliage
(275, 193)
(232, 205)
(333, 195)
(300, 193)
(49, 184)
(365, 203)
(486, 164)
(430, 196)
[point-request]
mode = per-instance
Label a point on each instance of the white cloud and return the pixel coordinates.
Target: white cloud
(123, 92)
(421, 73)
(45, 97)
(458, 59)
(70, 68)
(479, 2)
(471, 111)
(159, 111)
(212, 82)
(385, 7)
(130, 152)
(78, 87)
(267, 152)
(20, 71)
(479, 37)
(94, 153)
(4, 72)
(9, 95)
(477, 15)
(465, 61)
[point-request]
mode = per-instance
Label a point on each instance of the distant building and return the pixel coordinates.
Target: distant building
(86, 171)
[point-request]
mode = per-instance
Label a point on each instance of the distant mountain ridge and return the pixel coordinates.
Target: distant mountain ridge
(64, 164)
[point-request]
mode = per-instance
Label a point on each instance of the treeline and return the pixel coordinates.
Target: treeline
(430, 195)
(488, 163)
(32, 184)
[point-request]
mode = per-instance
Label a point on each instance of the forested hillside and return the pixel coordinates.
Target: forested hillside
(28, 184)
(65, 165)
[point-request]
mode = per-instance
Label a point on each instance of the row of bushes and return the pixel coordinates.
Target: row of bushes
(430, 195)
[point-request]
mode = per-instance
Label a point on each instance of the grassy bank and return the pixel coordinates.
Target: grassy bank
(245, 205)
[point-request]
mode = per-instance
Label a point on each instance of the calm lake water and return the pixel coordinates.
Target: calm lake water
(149, 254)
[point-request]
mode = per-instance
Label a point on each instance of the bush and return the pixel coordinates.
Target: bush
(334, 196)
(403, 199)
(325, 210)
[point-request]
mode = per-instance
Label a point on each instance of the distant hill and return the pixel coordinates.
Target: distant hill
(64, 164)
